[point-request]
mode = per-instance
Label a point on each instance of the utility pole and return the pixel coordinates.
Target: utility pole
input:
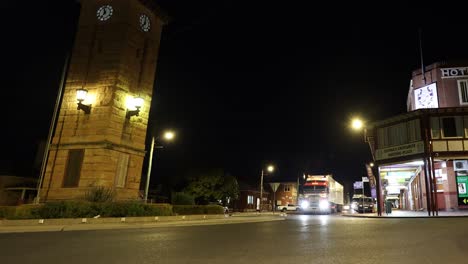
(52, 128)
(168, 136)
(150, 163)
(261, 191)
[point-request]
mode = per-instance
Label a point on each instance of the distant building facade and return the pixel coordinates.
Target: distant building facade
(422, 155)
(249, 201)
(286, 193)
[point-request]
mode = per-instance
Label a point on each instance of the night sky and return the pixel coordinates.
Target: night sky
(242, 84)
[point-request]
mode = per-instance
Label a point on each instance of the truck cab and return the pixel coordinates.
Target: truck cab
(321, 194)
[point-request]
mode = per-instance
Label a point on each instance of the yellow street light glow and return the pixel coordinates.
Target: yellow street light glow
(169, 135)
(357, 124)
(270, 168)
(371, 164)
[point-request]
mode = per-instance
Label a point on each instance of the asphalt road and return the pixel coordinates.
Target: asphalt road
(299, 239)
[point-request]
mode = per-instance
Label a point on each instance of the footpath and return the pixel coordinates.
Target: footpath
(409, 214)
(75, 224)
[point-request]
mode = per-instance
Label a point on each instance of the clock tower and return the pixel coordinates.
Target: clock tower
(99, 139)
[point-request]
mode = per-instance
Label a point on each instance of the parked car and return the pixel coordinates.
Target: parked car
(288, 207)
(363, 205)
(347, 208)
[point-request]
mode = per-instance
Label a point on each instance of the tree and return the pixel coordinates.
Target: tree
(230, 189)
(212, 186)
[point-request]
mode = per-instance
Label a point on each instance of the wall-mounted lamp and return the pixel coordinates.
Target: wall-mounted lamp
(80, 97)
(136, 103)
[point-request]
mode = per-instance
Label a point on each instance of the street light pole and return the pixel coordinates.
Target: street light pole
(168, 135)
(150, 163)
(261, 192)
(270, 168)
(51, 129)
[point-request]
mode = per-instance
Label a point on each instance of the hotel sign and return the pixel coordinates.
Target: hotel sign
(400, 151)
(454, 72)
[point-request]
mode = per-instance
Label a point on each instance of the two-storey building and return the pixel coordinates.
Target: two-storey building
(422, 155)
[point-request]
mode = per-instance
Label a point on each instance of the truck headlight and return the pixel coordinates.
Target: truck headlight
(324, 204)
(304, 204)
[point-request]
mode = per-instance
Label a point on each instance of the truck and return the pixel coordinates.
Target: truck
(321, 194)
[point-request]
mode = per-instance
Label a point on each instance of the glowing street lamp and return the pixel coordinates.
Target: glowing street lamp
(270, 168)
(357, 124)
(167, 136)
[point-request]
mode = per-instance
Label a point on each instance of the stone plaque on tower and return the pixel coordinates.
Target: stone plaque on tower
(99, 139)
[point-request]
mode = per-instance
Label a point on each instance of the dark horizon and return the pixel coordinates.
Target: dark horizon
(242, 85)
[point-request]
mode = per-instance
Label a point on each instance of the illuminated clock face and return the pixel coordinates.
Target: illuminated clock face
(426, 97)
(104, 12)
(145, 23)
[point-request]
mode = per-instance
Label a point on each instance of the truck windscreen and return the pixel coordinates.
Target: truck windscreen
(314, 188)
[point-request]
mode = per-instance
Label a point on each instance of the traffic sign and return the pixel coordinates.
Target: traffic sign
(274, 186)
(357, 185)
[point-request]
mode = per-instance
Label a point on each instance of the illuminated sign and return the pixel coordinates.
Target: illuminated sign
(426, 97)
(316, 177)
(357, 185)
(462, 183)
(399, 151)
(315, 183)
(454, 72)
